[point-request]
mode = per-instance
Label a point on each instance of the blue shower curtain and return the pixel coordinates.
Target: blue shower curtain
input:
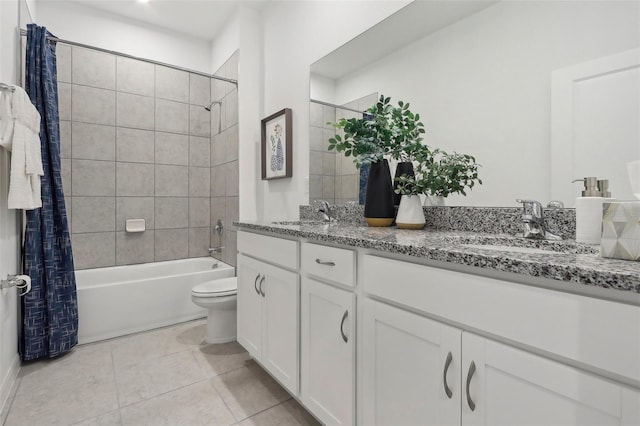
(50, 309)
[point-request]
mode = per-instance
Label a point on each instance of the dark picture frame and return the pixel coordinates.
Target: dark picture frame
(277, 142)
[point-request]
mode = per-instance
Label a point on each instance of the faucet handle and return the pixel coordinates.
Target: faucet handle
(532, 209)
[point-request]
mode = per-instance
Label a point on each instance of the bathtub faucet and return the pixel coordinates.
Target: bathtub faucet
(214, 250)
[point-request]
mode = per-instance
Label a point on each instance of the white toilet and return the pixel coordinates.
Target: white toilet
(218, 297)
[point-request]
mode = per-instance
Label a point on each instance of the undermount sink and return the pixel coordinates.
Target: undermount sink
(299, 222)
(522, 245)
(511, 249)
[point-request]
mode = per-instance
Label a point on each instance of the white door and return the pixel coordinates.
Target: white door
(328, 352)
(250, 305)
(507, 386)
(280, 292)
(595, 124)
(411, 371)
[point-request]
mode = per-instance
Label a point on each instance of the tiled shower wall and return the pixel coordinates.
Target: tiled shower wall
(224, 160)
(136, 143)
(332, 176)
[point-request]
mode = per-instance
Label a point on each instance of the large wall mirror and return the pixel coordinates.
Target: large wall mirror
(539, 92)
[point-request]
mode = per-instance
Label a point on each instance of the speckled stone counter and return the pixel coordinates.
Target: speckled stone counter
(566, 260)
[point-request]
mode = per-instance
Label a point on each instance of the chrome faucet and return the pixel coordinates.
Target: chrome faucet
(325, 210)
(217, 229)
(533, 221)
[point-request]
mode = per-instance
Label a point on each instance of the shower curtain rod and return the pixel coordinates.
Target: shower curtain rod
(23, 33)
(315, 101)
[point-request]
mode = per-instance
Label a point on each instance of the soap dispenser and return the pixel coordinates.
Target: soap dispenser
(589, 212)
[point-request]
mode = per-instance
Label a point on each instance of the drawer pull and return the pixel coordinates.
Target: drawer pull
(344, 317)
(322, 262)
(447, 363)
(255, 284)
(472, 369)
(262, 282)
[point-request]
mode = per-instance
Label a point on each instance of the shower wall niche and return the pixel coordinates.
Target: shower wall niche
(136, 143)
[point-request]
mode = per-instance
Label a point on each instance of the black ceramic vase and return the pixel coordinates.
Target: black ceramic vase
(378, 206)
(403, 168)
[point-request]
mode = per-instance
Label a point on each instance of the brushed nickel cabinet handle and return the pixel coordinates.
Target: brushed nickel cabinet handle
(321, 262)
(447, 363)
(262, 282)
(344, 317)
(472, 370)
(255, 284)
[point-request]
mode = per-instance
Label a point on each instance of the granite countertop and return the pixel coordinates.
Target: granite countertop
(569, 261)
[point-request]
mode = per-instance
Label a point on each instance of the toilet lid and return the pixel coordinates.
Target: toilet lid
(216, 288)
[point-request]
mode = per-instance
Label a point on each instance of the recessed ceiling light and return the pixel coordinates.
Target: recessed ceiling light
(143, 1)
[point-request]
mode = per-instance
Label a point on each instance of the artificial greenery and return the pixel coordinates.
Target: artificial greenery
(384, 131)
(438, 173)
(387, 131)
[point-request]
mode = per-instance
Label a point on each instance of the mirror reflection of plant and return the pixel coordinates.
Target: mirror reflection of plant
(384, 131)
(438, 173)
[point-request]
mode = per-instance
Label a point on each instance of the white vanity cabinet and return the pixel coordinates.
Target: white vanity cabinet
(328, 337)
(509, 386)
(363, 338)
(268, 305)
(410, 368)
(408, 375)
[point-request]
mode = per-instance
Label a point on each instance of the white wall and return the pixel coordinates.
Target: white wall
(98, 28)
(244, 33)
(482, 85)
(11, 12)
(296, 34)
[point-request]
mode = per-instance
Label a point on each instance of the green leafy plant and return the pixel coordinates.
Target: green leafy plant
(385, 130)
(438, 173)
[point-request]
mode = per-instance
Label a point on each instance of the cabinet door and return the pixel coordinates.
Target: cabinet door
(250, 305)
(328, 352)
(513, 387)
(280, 325)
(411, 368)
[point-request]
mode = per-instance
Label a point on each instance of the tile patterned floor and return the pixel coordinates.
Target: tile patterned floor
(167, 376)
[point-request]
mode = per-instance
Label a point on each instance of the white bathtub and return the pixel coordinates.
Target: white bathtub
(121, 300)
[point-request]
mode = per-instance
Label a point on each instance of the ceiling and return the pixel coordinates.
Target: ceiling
(414, 21)
(197, 18)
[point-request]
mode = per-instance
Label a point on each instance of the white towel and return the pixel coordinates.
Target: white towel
(19, 133)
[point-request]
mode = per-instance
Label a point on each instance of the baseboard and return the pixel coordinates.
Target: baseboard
(9, 387)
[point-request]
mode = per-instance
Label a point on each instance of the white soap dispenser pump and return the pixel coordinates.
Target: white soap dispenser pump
(589, 212)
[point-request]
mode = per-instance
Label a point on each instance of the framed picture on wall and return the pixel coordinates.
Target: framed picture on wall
(277, 159)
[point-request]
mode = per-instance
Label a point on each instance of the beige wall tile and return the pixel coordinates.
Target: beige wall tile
(172, 149)
(172, 84)
(93, 178)
(94, 250)
(172, 181)
(93, 68)
(134, 247)
(134, 179)
(93, 142)
(93, 214)
(92, 105)
(135, 76)
(172, 244)
(135, 111)
(171, 212)
(135, 208)
(135, 145)
(172, 117)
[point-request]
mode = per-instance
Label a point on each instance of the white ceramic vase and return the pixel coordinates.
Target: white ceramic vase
(410, 214)
(434, 201)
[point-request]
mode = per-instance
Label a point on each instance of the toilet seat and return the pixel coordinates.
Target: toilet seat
(216, 288)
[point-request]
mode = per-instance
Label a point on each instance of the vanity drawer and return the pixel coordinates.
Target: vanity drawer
(330, 263)
(270, 249)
